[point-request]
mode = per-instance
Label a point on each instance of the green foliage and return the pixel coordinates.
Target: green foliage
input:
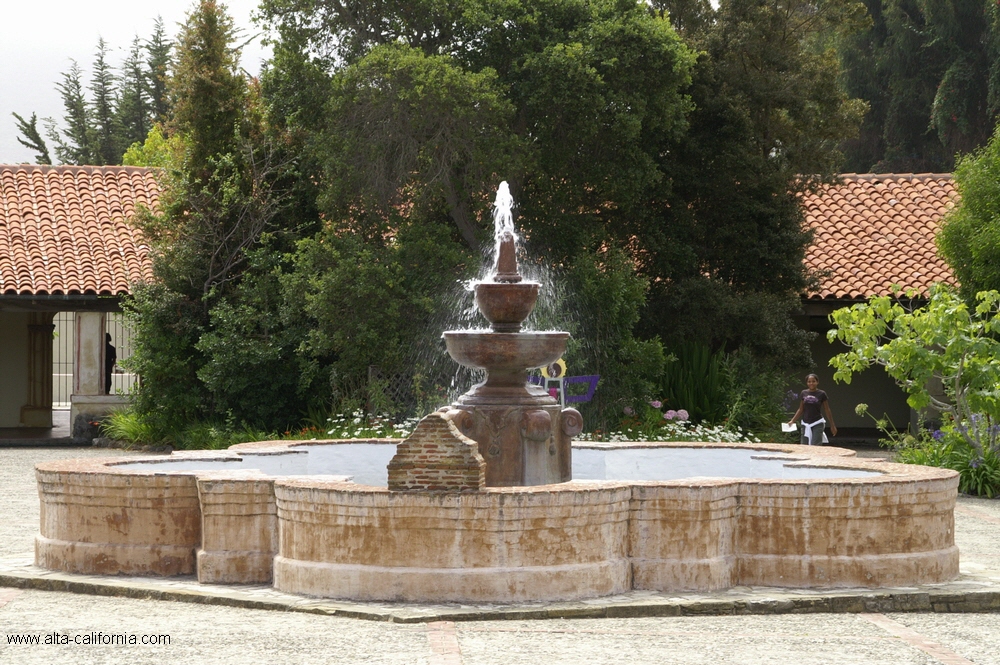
(133, 113)
(405, 127)
(969, 238)
(753, 393)
(166, 326)
(695, 381)
(157, 49)
(928, 70)
(927, 452)
(609, 295)
(32, 139)
(107, 146)
(944, 340)
(128, 425)
(979, 473)
(207, 88)
(391, 293)
(75, 145)
(250, 367)
(122, 107)
(156, 150)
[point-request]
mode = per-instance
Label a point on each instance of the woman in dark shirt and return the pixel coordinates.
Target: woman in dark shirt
(812, 401)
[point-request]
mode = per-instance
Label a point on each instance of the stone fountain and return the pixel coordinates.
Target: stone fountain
(475, 506)
(523, 434)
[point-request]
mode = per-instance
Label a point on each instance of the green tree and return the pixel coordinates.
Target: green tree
(616, 142)
(946, 340)
(104, 90)
(32, 138)
(77, 143)
(929, 71)
(214, 292)
(132, 112)
(207, 89)
(572, 103)
(121, 109)
(969, 239)
(157, 71)
(728, 242)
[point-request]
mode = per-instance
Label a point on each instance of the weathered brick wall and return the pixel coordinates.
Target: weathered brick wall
(437, 457)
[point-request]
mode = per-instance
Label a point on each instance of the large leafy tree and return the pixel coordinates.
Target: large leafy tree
(928, 69)
(632, 162)
(573, 103)
(728, 240)
(969, 238)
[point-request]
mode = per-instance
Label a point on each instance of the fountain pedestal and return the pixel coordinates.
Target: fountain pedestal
(523, 434)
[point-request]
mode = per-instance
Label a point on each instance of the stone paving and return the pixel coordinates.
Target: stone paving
(935, 624)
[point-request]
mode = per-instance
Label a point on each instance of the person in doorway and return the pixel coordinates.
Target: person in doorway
(813, 402)
(110, 358)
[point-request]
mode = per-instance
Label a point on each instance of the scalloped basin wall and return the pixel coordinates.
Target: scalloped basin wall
(867, 524)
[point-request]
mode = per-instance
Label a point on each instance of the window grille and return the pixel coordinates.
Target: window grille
(63, 349)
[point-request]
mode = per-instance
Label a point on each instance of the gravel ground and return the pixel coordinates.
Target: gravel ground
(240, 636)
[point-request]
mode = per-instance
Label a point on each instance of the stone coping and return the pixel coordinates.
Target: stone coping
(969, 593)
(804, 456)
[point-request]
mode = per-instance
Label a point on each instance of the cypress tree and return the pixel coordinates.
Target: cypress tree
(102, 87)
(157, 72)
(32, 139)
(134, 109)
(78, 145)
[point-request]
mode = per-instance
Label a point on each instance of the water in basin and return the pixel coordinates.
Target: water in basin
(366, 463)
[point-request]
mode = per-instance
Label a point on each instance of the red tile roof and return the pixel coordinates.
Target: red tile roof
(875, 230)
(65, 229)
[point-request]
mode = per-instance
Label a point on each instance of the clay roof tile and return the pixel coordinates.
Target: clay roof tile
(59, 226)
(874, 230)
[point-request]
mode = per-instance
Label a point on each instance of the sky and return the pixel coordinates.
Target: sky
(39, 37)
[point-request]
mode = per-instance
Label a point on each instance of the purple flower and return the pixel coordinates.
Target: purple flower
(670, 415)
(938, 435)
(975, 463)
(656, 404)
(682, 414)
(629, 411)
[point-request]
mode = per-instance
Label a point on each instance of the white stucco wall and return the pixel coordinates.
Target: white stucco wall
(13, 366)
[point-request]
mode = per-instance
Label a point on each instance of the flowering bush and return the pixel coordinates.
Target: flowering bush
(674, 431)
(650, 424)
(357, 425)
(949, 447)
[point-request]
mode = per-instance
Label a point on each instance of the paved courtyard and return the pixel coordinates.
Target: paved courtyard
(92, 628)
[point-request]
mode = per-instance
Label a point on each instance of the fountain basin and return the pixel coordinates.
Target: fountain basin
(505, 352)
(506, 304)
(855, 523)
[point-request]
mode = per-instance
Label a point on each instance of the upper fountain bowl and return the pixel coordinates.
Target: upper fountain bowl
(504, 351)
(506, 304)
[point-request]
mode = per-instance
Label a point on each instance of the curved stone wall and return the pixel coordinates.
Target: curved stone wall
(550, 542)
